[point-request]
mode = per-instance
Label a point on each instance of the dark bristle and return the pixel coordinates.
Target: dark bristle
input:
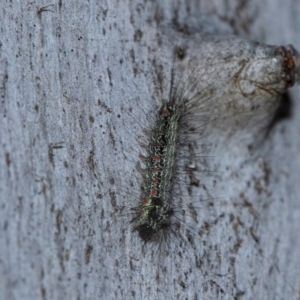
(154, 213)
(155, 217)
(158, 219)
(146, 232)
(180, 53)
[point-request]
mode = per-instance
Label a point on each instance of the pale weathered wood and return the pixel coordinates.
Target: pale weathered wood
(78, 83)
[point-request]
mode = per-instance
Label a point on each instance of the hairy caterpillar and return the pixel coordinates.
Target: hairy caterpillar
(153, 217)
(154, 213)
(218, 99)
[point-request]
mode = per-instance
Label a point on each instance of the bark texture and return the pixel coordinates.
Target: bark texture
(78, 84)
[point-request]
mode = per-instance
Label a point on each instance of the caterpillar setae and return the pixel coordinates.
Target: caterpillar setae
(257, 73)
(155, 216)
(213, 95)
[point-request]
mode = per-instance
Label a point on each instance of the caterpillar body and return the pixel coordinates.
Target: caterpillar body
(197, 105)
(155, 211)
(156, 217)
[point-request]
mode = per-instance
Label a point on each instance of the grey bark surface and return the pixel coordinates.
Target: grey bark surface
(79, 81)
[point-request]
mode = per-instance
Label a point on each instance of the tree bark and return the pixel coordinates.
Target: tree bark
(79, 83)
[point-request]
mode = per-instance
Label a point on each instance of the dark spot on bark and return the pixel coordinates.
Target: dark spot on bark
(249, 205)
(239, 295)
(104, 14)
(237, 246)
(138, 35)
(103, 31)
(58, 32)
(42, 274)
(5, 225)
(267, 173)
(254, 235)
(135, 71)
(102, 104)
(113, 199)
(58, 219)
(180, 53)
(92, 120)
(66, 164)
(90, 161)
(36, 107)
(43, 292)
(67, 255)
(131, 19)
(112, 138)
(51, 148)
(182, 284)
(7, 159)
(157, 278)
(88, 252)
(109, 76)
(132, 55)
